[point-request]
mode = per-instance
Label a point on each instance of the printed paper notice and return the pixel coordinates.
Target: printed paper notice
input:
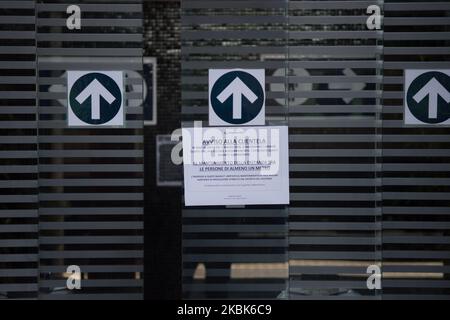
(236, 166)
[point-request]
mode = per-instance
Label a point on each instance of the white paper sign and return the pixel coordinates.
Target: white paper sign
(236, 166)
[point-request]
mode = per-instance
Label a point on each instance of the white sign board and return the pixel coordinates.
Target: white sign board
(236, 166)
(236, 97)
(95, 98)
(427, 97)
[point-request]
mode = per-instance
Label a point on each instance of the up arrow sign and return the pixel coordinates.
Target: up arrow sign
(95, 90)
(432, 89)
(237, 89)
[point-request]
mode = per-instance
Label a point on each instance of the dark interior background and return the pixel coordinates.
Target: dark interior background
(162, 222)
